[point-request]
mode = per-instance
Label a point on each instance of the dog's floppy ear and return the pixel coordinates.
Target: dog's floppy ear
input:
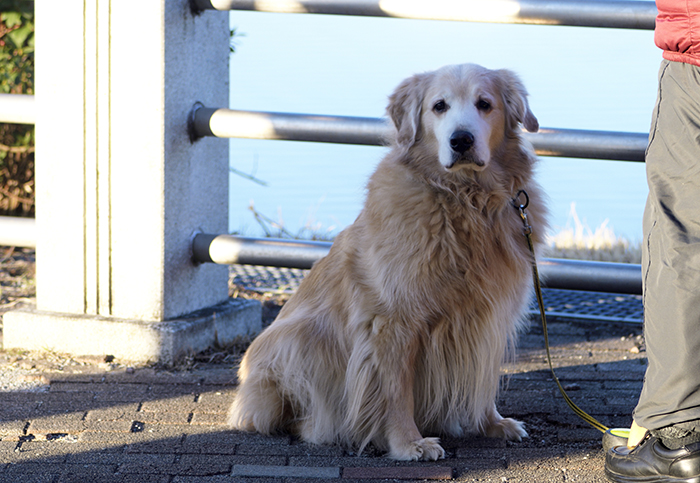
(515, 97)
(404, 109)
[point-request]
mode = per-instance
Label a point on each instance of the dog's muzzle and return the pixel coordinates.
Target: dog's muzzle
(461, 143)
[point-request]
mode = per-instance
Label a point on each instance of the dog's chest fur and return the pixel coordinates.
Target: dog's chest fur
(445, 244)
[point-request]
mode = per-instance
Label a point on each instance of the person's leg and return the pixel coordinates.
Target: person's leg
(669, 405)
(671, 261)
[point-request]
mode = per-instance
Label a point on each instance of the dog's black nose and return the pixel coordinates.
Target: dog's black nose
(461, 141)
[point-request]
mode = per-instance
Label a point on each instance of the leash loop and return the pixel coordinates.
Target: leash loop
(527, 231)
(516, 200)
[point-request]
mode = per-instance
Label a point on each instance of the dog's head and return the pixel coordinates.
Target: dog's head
(462, 113)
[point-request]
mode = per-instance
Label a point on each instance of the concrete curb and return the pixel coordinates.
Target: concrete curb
(132, 340)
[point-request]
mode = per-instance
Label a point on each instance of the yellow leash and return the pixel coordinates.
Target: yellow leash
(527, 231)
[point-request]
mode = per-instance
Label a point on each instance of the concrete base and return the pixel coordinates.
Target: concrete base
(132, 340)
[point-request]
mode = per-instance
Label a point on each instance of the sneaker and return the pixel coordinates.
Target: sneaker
(652, 462)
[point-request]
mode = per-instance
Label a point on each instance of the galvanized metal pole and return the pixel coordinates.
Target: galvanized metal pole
(577, 143)
(229, 249)
(227, 123)
(579, 13)
(555, 273)
(17, 108)
(17, 232)
(591, 276)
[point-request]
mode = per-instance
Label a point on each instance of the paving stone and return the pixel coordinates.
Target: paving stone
(159, 463)
(344, 461)
(65, 402)
(93, 375)
(171, 445)
(89, 472)
(225, 479)
(215, 402)
(71, 423)
(243, 437)
(209, 418)
(140, 375)
(116, 478)
(133, 393)
(182, 403)
(85, 454)
(116, 439)
(286, 471)
(578, 435)
(293, 450)
(175, 389)
(219, 443)
(12, 429)
(162, 417)
(400, 473)
(203, 464)
(108, 426)
(533, 458)
(34, 472)
(71, 386)
(113, 413)
(10, 410)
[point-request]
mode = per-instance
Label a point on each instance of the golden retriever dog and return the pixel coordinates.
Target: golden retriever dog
(401, 330)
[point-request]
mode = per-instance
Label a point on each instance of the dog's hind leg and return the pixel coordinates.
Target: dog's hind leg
(258, 406)
(499, 427)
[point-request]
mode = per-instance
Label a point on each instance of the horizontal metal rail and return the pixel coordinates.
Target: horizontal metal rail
(270, 252)
(17, 232)
(556, 273)
(591, 276)
(228, 123)
(17, 108)
(579, 13)
(229, 249)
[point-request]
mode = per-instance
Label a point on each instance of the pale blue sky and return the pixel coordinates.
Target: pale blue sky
(580, 78)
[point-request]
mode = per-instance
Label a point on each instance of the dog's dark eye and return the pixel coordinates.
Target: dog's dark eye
(483, 105)
(440, 106)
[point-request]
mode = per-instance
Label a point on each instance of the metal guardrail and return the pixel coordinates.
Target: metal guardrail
(578, 13)
(17, 232)
(229, 249)
(556, 273)
(268, 252)
(228, 123)
(17, 108)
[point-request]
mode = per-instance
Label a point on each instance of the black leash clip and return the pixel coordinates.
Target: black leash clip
(527, 229)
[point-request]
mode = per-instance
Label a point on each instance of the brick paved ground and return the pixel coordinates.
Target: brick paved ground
(95, 422)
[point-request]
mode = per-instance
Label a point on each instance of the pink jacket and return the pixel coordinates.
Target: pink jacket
(678, 30)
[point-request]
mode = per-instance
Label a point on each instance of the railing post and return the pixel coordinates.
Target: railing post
(121, 190)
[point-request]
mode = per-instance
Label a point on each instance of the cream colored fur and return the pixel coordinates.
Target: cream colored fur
(401, 330)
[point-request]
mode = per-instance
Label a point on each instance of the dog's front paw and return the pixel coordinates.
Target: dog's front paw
(427, 449)
(507, 428)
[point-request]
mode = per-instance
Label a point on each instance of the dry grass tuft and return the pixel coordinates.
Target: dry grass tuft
(601, 244)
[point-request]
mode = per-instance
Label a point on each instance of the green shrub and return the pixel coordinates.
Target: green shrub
(16, 77)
